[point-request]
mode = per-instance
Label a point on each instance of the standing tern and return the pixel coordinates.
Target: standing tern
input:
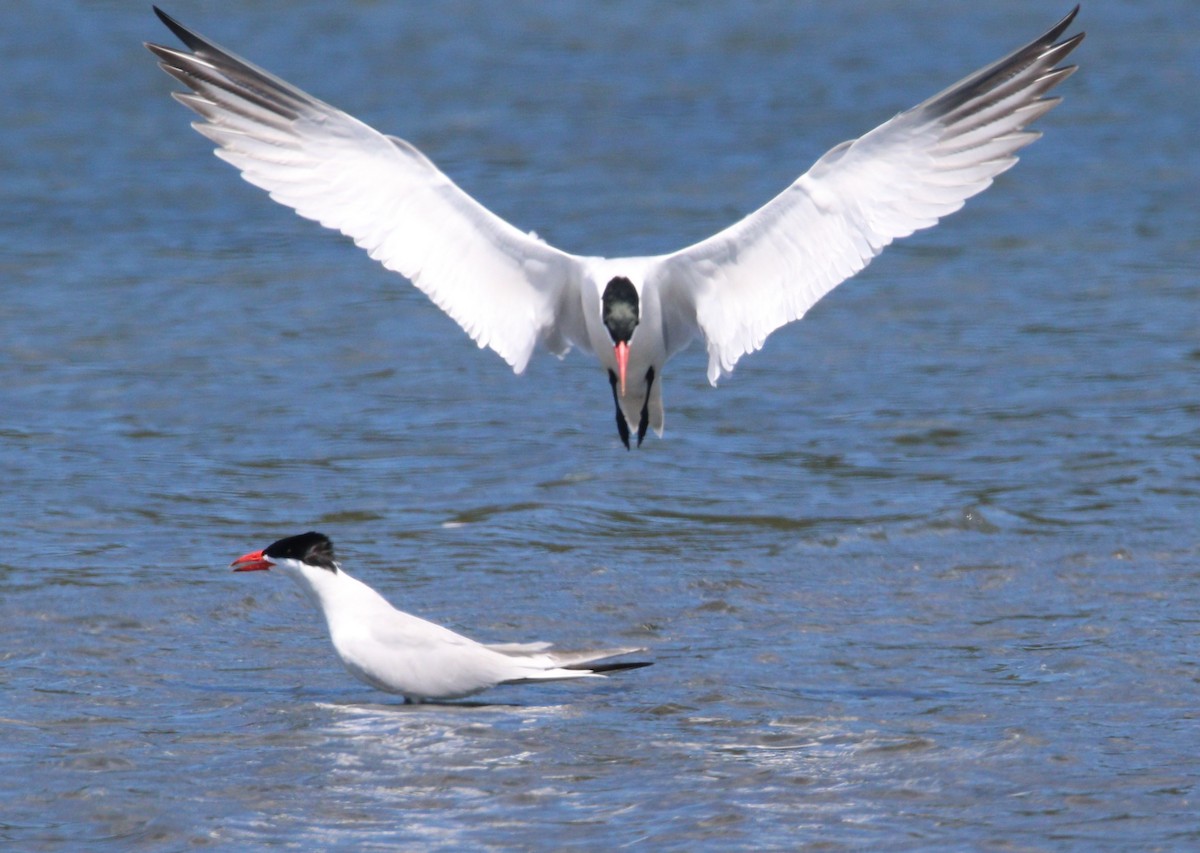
(399, 653)
(511, 291)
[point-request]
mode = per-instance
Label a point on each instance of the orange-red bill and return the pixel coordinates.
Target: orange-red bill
(252, 562)
(622, 352)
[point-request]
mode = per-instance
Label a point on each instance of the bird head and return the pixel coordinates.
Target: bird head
(310, 549)
(619, 304)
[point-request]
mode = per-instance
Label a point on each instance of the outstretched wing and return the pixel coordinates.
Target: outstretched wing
(771, 267)
(507, 289)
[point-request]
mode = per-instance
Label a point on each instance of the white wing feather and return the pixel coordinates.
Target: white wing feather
(771, 267)
(508, 290)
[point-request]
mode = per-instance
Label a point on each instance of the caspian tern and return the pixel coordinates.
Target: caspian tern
(404, 654)
(511, 291)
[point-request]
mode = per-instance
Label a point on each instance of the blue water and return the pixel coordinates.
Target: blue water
(923, 574)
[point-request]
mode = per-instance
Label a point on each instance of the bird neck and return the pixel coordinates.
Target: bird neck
(334, 593)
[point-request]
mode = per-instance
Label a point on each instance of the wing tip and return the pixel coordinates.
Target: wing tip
(602, 663)
(1058, 28)
(181, 32)
(618, 666)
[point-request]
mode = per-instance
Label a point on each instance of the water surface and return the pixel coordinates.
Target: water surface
(922, 574)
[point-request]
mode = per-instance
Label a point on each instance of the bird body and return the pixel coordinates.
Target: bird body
(512, 292)
(401, 653)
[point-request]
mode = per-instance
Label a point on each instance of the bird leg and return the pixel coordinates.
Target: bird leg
(622, 427)
(644, 420)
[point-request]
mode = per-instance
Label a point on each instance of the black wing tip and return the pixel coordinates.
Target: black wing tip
(1043, 51)
(611, 667)
(1059, 28)
(167, 19)
(189, 38)
(1071, 43)
(1066, 21)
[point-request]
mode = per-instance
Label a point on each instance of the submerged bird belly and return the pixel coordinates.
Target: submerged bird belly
(421, 670)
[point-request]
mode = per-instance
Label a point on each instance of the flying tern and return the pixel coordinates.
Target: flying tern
(511, 291)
